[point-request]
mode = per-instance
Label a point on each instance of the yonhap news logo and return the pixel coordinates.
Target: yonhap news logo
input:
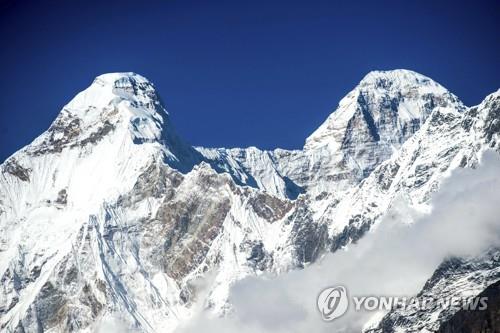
(333, 302)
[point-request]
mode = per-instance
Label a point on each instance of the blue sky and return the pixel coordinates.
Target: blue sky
(261, 73)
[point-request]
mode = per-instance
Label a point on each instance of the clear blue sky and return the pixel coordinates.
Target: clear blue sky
(236, 73)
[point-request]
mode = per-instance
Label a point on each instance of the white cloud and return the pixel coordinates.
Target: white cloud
(112, 324)
(395, 259)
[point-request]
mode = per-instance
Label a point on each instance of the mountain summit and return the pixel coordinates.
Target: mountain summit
(122, 97)
(110, 214)
(377, 117)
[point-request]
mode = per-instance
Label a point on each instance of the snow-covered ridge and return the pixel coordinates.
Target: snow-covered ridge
(369, 125)
(110, 213)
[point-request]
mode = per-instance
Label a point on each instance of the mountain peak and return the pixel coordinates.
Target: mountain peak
(378, 116)
(113, 108)
(397, 79)
(120, 78)
(122, 110)
(112, 88)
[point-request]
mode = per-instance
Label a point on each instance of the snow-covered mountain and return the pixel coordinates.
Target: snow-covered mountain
(109, 213)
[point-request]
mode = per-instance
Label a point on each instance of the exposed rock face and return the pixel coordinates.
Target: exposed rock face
(110, 213)
(479, 321)
(458, 277)
(269, 207)
(12, 166)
